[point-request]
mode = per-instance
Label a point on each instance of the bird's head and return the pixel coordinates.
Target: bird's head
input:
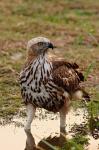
(39, 45)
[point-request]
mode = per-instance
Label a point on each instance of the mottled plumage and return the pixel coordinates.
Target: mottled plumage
(48, 84)
(43, 83)
(38, 87)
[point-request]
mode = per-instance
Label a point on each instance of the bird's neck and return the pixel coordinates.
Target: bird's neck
(32, 56)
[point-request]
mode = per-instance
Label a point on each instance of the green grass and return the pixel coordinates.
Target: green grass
(76, 143)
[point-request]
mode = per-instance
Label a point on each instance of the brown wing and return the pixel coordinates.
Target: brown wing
(66, 75)
(57, 64)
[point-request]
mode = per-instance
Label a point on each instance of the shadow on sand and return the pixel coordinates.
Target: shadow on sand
(48, 143)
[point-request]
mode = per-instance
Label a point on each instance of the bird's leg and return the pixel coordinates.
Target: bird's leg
(62, 139)
(62, 121)
(63, 112)
(30, 141)
(30, 115)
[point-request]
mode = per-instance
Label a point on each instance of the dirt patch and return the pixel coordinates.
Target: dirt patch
(12, 44)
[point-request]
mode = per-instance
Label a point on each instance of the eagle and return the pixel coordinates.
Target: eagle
(48, 84)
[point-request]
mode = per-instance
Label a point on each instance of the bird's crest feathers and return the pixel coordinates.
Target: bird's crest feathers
(36, 40)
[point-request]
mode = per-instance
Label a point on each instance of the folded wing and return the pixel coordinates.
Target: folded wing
(66, 75)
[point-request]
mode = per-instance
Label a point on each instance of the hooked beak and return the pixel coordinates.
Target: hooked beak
(50, 45)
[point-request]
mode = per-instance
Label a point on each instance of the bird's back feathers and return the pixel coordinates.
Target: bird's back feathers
(66, 75)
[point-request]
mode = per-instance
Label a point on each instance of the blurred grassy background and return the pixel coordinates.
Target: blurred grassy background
(72, 24)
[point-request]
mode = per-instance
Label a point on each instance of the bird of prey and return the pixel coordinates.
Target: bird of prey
(48, 84)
